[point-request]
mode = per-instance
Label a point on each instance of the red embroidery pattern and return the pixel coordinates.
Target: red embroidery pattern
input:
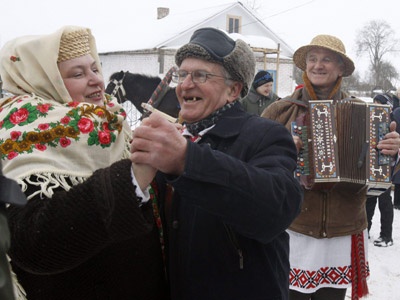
(359, 279)
(306, 279)
(153, 198)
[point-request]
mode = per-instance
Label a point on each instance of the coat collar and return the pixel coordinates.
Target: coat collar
(230, 122)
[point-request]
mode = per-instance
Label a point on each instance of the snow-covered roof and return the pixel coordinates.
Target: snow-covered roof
(176, 28)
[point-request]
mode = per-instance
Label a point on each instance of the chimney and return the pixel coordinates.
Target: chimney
(162, 12)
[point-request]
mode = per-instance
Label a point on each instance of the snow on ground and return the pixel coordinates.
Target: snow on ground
(384, 281)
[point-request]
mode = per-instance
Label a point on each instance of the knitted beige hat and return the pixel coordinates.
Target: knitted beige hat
(74, 44)
(28, 64)
(325, 41)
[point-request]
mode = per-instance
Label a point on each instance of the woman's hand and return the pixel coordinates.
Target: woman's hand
(144, 174)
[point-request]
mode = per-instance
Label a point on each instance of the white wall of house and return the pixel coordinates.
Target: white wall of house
(158, 59)
(284, 86)
(149, 64)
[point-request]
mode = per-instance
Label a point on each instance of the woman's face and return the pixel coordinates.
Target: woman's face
(323, 67)
(83, 80)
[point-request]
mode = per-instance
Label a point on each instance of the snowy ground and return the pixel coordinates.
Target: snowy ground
(384, 282)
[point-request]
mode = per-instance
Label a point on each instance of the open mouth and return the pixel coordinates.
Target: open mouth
(94, 95)
(192, 99)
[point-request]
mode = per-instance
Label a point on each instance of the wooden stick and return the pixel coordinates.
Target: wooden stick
(150, 108)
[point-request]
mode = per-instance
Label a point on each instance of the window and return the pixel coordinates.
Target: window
(234, 24)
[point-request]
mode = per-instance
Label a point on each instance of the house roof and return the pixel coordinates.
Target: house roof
(176, 28)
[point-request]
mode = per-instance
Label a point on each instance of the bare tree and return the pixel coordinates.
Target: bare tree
(377, 39)
(389, 74)
(253, 4)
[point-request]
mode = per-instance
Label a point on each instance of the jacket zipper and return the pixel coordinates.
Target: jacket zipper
(233, 239)
(324, 203)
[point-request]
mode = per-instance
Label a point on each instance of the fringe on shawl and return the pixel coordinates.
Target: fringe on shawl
(47, 182)
(19, 292)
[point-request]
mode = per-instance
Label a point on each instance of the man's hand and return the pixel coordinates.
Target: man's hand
(298, 142)
(391, 143)
(159, 144)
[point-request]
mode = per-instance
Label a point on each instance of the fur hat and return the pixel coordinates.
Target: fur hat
(215, 46)
(329, 42)
(262, 77)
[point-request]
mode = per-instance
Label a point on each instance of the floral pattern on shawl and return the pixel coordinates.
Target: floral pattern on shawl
(75, 122)
(51, 144)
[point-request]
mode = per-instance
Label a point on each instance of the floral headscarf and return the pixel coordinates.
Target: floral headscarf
(42, 131)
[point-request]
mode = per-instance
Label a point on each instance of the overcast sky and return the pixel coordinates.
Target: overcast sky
(295, 21)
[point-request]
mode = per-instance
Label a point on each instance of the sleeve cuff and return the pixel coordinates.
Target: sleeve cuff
(143, 196)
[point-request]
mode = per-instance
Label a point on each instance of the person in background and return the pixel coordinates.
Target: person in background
(396, 173)
(386, 210)
(260, 94)
(87, 231)
(231, 174)
(385, 199)
(324, 258)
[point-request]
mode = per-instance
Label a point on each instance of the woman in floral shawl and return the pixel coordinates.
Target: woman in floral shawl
(85, 232)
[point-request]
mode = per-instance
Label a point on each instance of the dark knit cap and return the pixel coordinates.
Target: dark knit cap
(262, 77)
(215, 46)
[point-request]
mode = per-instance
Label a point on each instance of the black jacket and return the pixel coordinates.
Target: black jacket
(10, 193)
(93, 242)
(230, 209)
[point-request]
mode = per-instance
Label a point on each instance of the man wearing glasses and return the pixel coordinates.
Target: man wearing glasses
(231, 178)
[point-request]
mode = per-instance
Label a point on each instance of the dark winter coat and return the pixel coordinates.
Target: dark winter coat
(93, 242)
(230, 209)
(324, 213)
(255, 103)
(10, 192)
(396, 169)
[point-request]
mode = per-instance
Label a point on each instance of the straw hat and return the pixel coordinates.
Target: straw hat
(74, 44)
(328, 42)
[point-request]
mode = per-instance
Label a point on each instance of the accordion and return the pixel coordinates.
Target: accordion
(339, 144)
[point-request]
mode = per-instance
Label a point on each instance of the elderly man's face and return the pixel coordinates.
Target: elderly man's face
(199, 100)
(323, 67)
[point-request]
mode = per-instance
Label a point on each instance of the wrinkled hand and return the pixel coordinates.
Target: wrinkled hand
(159, 144)
(298, 142)
(391, 143)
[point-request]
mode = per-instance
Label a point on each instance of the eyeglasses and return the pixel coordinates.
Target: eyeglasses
(198, 76)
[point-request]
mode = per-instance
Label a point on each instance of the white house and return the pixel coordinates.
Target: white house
(153, 46)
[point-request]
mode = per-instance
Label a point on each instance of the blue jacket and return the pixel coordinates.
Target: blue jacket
(230, 210)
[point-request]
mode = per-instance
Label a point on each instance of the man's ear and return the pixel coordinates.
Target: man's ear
(234, 91)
